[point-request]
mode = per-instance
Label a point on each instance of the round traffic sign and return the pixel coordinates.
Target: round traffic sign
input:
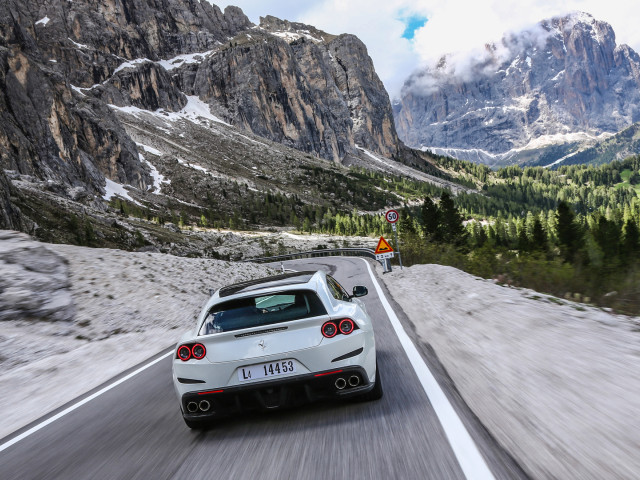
(392, 216)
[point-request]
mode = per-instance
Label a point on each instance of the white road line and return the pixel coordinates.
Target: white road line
(75, 406)
(464, 448)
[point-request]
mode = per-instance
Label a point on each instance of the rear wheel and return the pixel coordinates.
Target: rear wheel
(376, 392)
(195, 424)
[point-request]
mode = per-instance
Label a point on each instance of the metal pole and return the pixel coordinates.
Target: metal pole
(395, 231)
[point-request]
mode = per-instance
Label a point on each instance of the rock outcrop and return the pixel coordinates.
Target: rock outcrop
(545, 85)
(34, 284)
(10, 216)
(299, 86)
(47, 129)
(65, 66)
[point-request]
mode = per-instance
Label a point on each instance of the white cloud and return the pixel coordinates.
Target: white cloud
(461, 25)
(453, 26)
(376, 23)
(379, 26)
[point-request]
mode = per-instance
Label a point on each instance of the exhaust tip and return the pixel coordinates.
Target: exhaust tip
(204, 405)
(341, 383)
(354, 380)
(192, 407)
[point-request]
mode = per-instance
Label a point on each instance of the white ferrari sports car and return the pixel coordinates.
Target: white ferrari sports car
(274, 342)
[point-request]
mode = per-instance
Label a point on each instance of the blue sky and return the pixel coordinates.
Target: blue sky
(412, 23)
(399, 38)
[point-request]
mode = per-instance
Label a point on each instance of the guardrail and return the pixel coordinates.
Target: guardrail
(328, 252)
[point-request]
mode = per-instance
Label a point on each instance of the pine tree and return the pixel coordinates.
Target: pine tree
(631, 239)
(431, 220)
(405, 224)
(451, 221)
(607, 236)
(570, 236)
(539, 237)
(523, 241)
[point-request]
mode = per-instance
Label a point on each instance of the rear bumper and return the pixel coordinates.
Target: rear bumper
(274, 394)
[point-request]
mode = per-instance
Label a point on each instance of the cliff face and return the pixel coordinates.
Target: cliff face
(546, 85)
(367, 99)
(64, 66)
(296, 85)
(10, 216)
(260, 84)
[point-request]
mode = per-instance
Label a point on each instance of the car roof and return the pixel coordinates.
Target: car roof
(274, 281)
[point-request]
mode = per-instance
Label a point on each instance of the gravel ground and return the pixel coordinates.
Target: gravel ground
(557, 383)
(129, 306)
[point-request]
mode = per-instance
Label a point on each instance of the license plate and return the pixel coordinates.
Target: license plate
(266, 370)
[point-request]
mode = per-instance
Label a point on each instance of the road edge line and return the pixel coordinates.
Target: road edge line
(466, 451)
(39, 426)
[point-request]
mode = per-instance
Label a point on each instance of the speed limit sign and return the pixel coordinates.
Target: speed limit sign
(392, 216)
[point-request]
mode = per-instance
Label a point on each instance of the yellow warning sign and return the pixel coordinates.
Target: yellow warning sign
(383, 247)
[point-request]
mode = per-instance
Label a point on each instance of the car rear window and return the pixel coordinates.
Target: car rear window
(262, 310)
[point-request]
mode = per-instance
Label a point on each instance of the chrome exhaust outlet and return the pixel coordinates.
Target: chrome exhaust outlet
(341, 383)
(192, 407)
(204, 405)
(354, 380)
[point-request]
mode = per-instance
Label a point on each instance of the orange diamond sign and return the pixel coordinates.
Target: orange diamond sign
(383, 247)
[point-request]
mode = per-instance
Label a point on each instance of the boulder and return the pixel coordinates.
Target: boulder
(34, 281)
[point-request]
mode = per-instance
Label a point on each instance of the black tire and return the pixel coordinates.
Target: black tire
(195, 424)
(376, 393)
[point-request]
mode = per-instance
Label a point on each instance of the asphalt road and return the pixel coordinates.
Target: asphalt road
(135, 430)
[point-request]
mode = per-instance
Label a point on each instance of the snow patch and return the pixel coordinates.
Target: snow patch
(43, 21)
(130, 109)
(151, 150)
(196, 167)
(158, 178)
(79, 45)
(116, 189)
(373, 157)
(186, 59)
(290, 36)
(130, 64)
(79, 90)
(251, 140)
(196, 108)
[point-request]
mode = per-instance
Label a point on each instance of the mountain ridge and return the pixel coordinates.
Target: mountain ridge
(183, 114)
(566, 76)
(63, 64)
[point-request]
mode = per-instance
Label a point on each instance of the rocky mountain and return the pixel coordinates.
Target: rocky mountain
(620, 146)
(10, 215)
(63, 63)
(543, 92)
(183, 113)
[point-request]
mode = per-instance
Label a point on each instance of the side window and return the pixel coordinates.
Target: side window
(336, 289)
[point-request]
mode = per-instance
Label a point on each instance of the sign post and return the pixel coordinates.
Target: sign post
(392, 217)
(384, 254)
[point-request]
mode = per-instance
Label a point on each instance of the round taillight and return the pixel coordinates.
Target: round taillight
(329, 330)
(184, 353)
(198, 351)
(346, 326)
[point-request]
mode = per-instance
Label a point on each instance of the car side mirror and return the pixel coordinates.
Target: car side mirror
(360, 291)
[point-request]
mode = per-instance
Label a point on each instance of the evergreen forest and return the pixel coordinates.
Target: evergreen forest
(573, 232)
